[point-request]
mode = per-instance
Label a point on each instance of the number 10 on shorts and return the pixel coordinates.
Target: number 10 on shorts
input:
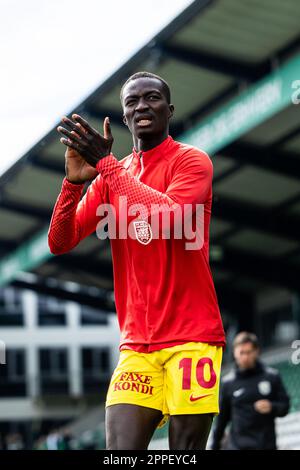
(205, 380)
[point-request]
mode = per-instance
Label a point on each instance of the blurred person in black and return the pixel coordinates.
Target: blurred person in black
(252, 396)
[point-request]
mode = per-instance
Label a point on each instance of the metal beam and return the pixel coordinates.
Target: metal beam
(248, 215)
(237, 261)
(259, 267)
(84, 263)
(286, 51)
(7, 245)
(272, 271)
(196, 116)
(48, 165)
(114, 117)
(42, 287)
(287, 137)
(271, 159)
(280, 210)
(213, 62)
(43, 215)
(231, 298)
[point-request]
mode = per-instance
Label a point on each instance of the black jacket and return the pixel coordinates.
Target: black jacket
(249, 428)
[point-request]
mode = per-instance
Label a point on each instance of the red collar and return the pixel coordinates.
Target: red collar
(158, 150)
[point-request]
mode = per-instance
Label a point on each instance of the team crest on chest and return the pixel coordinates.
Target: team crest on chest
(264, 387)
(143, 231)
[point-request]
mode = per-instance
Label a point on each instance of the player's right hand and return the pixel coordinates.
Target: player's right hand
(78, 171)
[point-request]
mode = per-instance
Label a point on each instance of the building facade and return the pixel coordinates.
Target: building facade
(57, 359)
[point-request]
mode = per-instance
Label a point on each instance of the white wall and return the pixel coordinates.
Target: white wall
(72, 336)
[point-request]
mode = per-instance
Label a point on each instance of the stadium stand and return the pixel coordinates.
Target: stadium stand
(232, 66)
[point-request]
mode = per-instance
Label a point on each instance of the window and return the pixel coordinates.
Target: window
(95, 368)
(11, 311)
(51, 311)
(53, 371)
(13, 374)
(90, 316)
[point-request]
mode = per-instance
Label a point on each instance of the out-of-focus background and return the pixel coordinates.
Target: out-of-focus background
(234, 71)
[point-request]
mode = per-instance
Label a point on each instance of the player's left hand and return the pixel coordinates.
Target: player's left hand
(263, 406)
(87, 141)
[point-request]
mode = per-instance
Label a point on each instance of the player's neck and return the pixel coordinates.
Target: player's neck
(148, 144)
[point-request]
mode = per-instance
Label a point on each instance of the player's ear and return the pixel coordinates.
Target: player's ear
(171, 110)
(125, 120)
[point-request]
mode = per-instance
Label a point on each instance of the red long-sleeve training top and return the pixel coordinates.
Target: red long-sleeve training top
(164, 293)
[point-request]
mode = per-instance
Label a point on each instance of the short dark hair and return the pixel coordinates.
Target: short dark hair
(144, 74)
(245, 337)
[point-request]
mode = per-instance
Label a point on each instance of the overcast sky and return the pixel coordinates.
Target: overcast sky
(54, 53)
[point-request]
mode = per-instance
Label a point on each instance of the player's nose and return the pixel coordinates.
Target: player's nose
(141, 105)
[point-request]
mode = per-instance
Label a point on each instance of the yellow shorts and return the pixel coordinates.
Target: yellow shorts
(182, 379)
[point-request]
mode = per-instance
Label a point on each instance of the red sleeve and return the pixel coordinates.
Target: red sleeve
(74, 219)
(190, 184)
(192, 179)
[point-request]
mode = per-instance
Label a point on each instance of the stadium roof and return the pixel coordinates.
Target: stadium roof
(232, 66)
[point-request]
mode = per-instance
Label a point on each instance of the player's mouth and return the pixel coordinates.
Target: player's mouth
(144, 121)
